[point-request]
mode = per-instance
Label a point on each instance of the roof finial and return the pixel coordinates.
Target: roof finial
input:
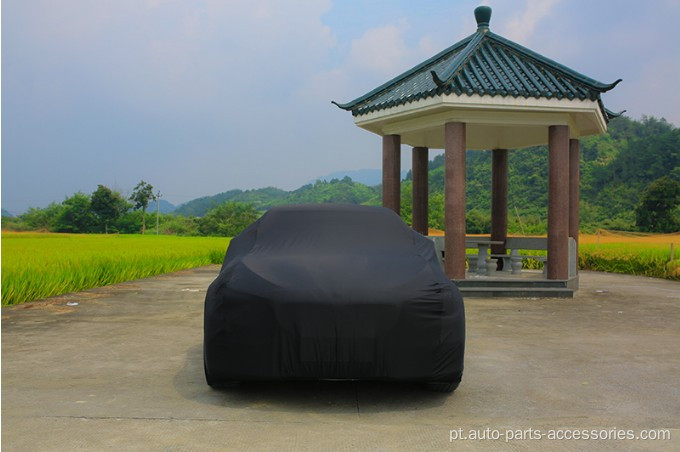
(483, 16)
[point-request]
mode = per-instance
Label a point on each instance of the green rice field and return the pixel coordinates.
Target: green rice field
(644, 256)
(39, 265)
(645, 259)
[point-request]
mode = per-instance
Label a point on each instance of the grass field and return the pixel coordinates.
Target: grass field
(39, 265)
(628, 253)
(631, 253)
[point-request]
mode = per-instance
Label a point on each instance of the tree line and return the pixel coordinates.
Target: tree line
(628, 177)
(630, 181)
(108, 211)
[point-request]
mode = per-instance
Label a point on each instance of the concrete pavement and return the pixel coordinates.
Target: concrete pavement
(122, 369)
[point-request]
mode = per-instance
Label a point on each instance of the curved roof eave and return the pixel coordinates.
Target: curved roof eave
(400, 77)
(599, 86)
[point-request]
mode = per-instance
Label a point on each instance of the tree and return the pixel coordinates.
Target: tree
(657, 209)
(227, 219)
(41, 219)
(178, 224)
(107, 206)
(76, 215)
(141, 196)
(477, 222)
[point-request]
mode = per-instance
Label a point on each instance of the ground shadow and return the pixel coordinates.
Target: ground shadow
(312, 396)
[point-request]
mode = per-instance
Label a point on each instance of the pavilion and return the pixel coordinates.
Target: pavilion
(486, 92)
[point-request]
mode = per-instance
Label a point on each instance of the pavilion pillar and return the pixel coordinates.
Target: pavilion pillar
(574, 190)
(558, 202)
(391, 172)
(454, 200)
(499, 201)
(419, 196)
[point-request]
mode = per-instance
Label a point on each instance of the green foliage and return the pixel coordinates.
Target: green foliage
(76, 215)
(477, 222)
(406, 205)
(657, 211)
(130, 222)
(107, 207)
(141, 195)
(172, 224)
(435, 213)
(615, 169)
(336, 191)
(80, 213)
(35, 219)
(261, 198)
(228, 219)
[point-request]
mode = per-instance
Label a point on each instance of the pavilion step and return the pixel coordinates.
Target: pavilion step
(516, 292)
(510, 283)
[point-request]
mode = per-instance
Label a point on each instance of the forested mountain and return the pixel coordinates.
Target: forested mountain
(370, 177)
(261, 198)
(615, 170)
(336, 191)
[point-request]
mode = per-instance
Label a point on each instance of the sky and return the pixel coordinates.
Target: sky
(198, 97)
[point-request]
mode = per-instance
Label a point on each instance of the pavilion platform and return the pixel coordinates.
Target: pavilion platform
(489, 275)
(528, 284)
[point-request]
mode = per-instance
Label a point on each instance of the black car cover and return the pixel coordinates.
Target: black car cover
(332, 292)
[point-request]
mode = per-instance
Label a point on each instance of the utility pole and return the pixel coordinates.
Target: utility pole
(158, 209)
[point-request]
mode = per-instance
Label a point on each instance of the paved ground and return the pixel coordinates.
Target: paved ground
(123, 370)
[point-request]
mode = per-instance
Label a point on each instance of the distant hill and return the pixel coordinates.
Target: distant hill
(615, 169)
(5, 213)
(262, 198)
(166, 207)
(370, 177)
(343, 190)
(336, 191)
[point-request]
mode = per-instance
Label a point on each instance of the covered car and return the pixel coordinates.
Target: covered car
(333, 292)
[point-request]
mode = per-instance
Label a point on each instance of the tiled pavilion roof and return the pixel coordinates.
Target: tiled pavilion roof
(485, 64)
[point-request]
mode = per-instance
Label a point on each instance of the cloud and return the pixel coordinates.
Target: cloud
(121, 86)
(381, 50)
(520, 27)
(372, 58)
(206, 95)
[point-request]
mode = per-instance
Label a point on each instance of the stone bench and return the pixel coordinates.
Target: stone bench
(512, 262)
(514, 244)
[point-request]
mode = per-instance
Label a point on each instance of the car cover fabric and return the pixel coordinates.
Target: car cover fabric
(332, 292)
